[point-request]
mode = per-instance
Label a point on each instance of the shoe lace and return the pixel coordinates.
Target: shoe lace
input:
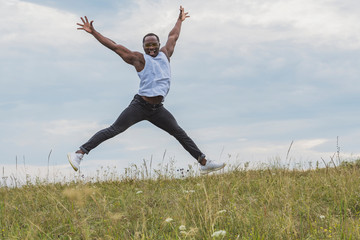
(80, 156)
(209, 162)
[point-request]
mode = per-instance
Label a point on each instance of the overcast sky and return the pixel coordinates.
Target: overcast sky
(248, 78)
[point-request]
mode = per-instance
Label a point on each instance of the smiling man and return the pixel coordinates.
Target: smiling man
(153, 69)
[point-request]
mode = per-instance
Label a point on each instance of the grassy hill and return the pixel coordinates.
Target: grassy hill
(239, 204)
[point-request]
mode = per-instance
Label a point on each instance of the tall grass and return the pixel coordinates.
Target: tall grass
(269, 203)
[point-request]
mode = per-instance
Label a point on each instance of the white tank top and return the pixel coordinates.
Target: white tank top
(155, 77)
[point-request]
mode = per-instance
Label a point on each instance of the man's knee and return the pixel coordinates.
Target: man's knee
(178, 132)
(114, 130)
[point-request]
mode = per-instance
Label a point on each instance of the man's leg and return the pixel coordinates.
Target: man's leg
(131, 115)
(166, 121)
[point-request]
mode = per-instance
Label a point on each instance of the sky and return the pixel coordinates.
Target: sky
(253, 81)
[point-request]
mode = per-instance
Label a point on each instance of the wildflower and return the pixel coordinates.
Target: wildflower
(322, 217)
(189, 191)
(219, 233)
(182, 228)
(222, 211)
(139, 192)
(169, 220)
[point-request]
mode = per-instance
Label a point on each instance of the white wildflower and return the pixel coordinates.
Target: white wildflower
(139, 192)
(219, 233)
(222, 211)
(169, 220)
(322, 217)
(189, 191)
(182, 228)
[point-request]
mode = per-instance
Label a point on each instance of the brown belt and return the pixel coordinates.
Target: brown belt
(153, 100)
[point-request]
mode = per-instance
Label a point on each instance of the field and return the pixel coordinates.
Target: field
(269, 203)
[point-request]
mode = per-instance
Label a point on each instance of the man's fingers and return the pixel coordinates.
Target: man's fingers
(82, 19)
(81, 26)
(183, 14)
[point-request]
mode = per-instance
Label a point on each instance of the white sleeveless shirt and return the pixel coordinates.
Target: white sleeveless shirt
(155, 77)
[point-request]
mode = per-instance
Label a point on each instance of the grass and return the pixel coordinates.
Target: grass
(271, 203)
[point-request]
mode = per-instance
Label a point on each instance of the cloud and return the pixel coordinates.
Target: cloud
(32, 133)
(309, 144)
(66, 127)
(306, 21)
(247, 24)
(28, 23)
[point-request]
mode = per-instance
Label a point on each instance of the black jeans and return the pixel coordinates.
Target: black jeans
(137, 111)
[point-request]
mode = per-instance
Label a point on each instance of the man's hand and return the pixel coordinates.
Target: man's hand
(183, 15)
(88, 27)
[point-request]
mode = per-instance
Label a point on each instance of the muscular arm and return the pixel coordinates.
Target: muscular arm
(134, 58)
(174, 34)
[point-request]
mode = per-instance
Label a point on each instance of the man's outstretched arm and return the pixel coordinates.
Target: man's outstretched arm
(174, 34)
(130, 57)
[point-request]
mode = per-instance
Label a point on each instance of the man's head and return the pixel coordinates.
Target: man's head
(151, 44)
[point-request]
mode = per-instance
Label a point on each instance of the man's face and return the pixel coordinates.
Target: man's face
(151, 46)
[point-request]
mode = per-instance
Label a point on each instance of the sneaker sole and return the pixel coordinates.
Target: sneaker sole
(212, 170)
(69, 158)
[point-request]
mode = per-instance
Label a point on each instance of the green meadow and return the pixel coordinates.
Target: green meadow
(240, 203)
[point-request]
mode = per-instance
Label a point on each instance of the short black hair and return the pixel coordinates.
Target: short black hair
(151, 34)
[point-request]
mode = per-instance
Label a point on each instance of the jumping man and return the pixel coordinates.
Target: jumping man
(153, 69)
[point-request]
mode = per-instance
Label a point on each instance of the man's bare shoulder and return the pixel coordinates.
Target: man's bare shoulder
(138, 61)
(164, 50)
(138, 56)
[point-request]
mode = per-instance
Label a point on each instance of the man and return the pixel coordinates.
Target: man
(153, 69)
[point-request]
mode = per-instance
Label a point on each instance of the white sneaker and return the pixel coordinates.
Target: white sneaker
(211, 166)
(75, 159)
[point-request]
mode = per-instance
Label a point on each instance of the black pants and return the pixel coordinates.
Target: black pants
(137, 111)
